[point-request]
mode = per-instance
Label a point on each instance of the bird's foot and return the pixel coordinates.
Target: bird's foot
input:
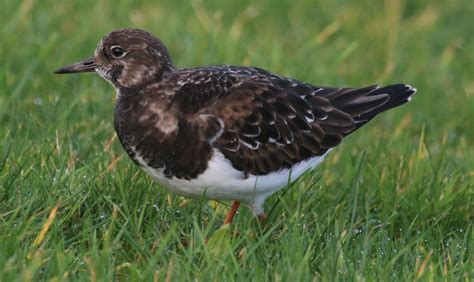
(262, 218)
(233, 210)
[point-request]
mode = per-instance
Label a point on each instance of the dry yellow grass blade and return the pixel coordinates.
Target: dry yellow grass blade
(52, 215)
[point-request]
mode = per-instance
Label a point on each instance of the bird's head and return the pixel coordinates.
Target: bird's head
(127, 58)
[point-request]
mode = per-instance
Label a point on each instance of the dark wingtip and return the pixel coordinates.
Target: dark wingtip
(410, 91)
(399, 93)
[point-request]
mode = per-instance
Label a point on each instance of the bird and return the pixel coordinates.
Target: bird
(225, 132)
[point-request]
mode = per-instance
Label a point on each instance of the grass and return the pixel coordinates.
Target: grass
(393, 202)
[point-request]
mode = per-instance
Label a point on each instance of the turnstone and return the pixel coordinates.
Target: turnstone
(225, 132)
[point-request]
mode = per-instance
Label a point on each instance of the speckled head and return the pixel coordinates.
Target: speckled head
(127, 58)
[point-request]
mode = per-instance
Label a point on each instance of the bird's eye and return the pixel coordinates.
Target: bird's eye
(117, 52)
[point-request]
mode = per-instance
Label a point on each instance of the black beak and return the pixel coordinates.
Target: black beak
(87, 65)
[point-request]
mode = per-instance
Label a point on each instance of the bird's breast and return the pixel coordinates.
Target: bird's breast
(144, 129)
(155, 137)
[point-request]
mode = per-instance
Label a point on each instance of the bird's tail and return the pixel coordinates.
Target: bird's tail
(363, 104)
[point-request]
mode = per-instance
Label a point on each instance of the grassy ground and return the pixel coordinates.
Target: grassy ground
(393, 202)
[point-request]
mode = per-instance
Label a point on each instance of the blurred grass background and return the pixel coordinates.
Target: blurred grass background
(393, 202)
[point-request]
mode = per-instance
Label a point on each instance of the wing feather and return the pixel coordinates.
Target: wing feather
(270, 122)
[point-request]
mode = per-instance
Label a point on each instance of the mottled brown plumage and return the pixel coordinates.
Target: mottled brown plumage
(173, 122)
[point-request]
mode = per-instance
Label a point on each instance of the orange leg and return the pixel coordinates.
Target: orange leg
(232, 212)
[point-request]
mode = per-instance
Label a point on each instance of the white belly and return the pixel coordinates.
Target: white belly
(220, 181)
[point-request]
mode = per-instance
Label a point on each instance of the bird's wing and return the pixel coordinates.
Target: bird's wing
(262, 122)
